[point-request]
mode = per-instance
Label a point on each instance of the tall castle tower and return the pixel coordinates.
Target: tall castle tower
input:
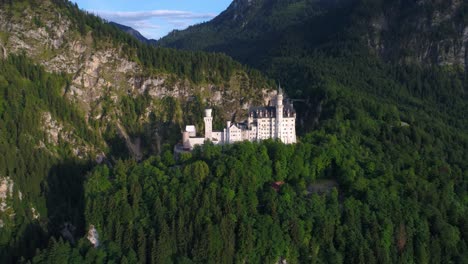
(208, 124)
(279, 113)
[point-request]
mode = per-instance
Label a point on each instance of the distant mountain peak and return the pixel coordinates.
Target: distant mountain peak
(423, 31)
(239, 3)
(133, 32)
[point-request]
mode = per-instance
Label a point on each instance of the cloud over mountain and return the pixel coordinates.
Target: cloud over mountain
(149, 23)
(143, 15)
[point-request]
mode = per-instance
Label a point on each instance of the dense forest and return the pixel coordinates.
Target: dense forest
(192, 73)
(255, 32)
(196, 66)
(399, 196)
(42, 175)
(380, 174)
(398, 193)
(47, 177)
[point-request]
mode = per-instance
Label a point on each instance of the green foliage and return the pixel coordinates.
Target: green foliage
(391, 134)
(198, 170)
(391, 138)
(198, 67)
(98, 183)
(218, 205)
(46, 175)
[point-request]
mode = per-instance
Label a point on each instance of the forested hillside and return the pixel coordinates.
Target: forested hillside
(386, 48)
(108, 68)
(75, 92)
(40, 175)
(255, 31)
(134, 33)
(399, 196)
(381, 76)
(380, 174)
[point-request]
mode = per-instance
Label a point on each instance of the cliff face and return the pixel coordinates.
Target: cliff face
(433, 32)
(120, 107)
(51, 42)
(98, 70)
(101, 71)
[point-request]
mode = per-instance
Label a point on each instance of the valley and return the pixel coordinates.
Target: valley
(89, 116)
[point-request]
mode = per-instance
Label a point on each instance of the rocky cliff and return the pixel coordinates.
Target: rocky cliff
(119, 98)
(429, 32)
(433, 32)
(102, 72)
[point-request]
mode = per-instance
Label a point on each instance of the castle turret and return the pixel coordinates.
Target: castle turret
(208, 124)
(250, 120)
(279, 112)
(228, 132)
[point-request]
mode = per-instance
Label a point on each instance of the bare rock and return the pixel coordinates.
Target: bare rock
(93, 236)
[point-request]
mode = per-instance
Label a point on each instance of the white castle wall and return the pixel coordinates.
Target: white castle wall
(263, 127)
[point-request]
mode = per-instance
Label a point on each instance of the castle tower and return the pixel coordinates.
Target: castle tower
(250, 120)
(279, 113)
(208, 124)
(228, 132)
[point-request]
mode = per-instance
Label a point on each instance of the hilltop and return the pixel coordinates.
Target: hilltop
(434, 32)
(76, 92)
(89, 116)
(135, 33)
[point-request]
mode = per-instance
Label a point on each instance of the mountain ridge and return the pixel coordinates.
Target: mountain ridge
(387, 27)
(91, 94)
(89, 117)
(135, 33)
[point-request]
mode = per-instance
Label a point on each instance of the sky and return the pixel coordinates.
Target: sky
(155, 18)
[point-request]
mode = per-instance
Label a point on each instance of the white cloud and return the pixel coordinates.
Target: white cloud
(142, 15)
(153, 21)
(144, 24)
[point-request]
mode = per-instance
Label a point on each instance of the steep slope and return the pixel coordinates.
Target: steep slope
(381, 77)
(434, 32)
(106, 65)
(76, 91)
(424, 31)
(389, 138)
(247, 30)
(356, 44)
(133, 32)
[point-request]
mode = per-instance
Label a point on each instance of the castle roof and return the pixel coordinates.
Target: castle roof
(270, 111)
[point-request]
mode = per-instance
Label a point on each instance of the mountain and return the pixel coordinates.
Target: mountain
(103, 62)
(76, 92)
(434, 32)
(89, 117)
(306, 42)
(134, 33)
(361, 66)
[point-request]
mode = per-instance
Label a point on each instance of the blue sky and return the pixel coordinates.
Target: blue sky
(155, 18)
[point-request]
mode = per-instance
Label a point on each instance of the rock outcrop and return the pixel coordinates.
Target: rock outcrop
(422, 32)
(93, 236)
(57, 133)
(7, 212)
(101, 72)
(6, 193)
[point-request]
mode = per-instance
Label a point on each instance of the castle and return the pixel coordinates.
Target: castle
(276, 121)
